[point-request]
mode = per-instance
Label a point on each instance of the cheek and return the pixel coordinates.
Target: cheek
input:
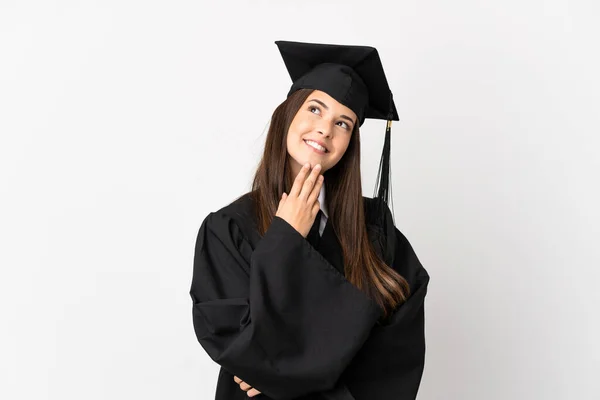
(297, 129)
(342, 144)
(301, 124)
(292, 136)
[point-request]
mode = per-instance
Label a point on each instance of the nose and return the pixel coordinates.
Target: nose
(324, 129)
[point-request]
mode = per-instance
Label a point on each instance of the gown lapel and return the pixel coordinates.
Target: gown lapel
(313, 236)
(330, 248)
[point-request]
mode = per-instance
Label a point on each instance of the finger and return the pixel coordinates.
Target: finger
(310, 182)
(316, 189)
(253, 392)
(237, 380)
(245, 387)
(299, 181)
(316, 208)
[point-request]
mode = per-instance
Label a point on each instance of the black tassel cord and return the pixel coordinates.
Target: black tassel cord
(383, 184)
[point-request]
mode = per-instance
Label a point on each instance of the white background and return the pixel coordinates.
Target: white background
(124, 123)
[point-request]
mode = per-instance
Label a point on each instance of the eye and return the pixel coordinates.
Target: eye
(311, 108)
(346, 126)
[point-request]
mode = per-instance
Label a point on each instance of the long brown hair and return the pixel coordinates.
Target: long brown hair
(362, 266)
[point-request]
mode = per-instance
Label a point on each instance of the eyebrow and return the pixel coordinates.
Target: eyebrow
(327, 108)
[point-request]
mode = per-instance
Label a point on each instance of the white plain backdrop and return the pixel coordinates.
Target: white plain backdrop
(124, 123)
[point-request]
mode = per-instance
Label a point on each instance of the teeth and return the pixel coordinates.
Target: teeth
(315, 145)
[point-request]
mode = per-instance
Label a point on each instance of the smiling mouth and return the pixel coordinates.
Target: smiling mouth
(318, 150)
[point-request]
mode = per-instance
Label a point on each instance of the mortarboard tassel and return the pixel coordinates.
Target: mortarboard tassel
(383, 176)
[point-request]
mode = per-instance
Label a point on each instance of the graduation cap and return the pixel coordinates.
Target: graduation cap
(354, 76)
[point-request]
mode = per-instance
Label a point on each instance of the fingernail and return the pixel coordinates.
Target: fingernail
(318, 166)
(307, 165)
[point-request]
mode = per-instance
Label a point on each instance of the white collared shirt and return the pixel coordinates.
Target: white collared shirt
(323, 206)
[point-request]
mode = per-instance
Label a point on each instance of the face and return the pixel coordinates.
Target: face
(321, 122)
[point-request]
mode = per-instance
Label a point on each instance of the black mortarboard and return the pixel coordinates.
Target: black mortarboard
(354, 76)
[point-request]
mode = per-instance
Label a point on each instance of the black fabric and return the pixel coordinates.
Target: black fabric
(281, 316)
(353, 75)
(313, 236)
(330, 248)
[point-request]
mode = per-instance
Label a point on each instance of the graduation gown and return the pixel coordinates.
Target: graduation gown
(279, 313)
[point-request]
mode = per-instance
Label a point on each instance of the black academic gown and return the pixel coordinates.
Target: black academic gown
(280, 315)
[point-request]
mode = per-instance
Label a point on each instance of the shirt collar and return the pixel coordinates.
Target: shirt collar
(322, 203)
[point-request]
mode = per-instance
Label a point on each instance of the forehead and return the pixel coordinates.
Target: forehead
(333, 104)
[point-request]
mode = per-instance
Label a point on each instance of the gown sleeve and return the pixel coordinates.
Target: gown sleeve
(391, 362)
(278, 316)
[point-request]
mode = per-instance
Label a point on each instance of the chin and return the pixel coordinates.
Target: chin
(311, 160)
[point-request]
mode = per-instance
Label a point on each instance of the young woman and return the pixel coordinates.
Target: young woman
(303, 288)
